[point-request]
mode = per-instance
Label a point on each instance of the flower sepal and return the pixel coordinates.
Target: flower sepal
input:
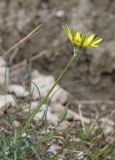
(76, 51)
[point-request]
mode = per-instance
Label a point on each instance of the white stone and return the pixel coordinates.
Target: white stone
(44, 83)
(53, 149)
(18, 90)
(52, 118)
(6, 101)
(35, 74)
(71, 115)
(33, 105)
(75, 116)
(60, 13)
(2, 62)
(63, 125)
(56, 107)
(59, 95)
(80, 156)
(108, 130)
(17, 123)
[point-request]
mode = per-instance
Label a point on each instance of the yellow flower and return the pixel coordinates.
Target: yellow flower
(82, 41)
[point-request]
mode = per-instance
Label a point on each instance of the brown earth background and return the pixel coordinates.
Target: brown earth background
(92, 76)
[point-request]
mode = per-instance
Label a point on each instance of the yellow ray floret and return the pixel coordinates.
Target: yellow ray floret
(82, 41)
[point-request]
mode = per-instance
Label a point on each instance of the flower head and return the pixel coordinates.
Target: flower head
(82, 41)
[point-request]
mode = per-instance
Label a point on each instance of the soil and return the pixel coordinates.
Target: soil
(92, 76)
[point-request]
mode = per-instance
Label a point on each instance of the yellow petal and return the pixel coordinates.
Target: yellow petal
(77, 37)
(68, 32)
(90, 38)
(96, 41)
(94, 45)
(85, 44)
(83, 39)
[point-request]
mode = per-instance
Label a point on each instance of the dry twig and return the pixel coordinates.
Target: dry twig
(25, 39)
(24, 62)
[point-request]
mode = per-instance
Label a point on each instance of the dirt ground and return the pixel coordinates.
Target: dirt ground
(92, 76)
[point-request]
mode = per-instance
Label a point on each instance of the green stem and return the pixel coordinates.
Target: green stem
(44, 100)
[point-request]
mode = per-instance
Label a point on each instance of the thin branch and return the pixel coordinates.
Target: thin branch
(24, 62)
(26, 38)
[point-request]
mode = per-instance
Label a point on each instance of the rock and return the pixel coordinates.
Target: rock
(108, 125)
(59, 95)
(52, 118)
(34, 105)
(18, 90)
(71, 115)
(107, 121)
(6, 101)
(2, 62)
(56, 107)
(52, 113)
(63, 125)
(108, 130)
(60, 13)
(17, 123)
(43, 83)
(35, 74)
(53, 149)
(80, 156)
